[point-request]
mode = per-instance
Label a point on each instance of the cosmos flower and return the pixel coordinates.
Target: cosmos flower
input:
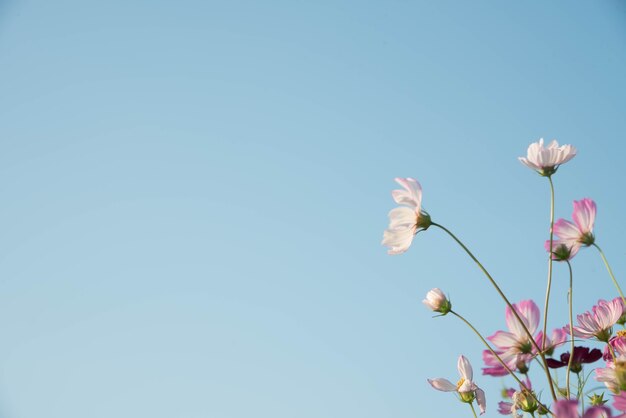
(580, 232)
(465, 387)
(516, 342)
(408, 219)
(562, 250)
(599, 322)
(617, 344)
(582, 355)
(437, 301)
(557, 338)
(546, 160)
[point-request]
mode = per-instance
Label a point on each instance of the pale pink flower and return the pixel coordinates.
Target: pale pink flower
(616, 346)
(580, 232)
(557, 338)
(407, 220)
(437, 301)
(562, 250)
(599, 322)
(516, 342)
(465, 387)
(546, 160)
(614, 375)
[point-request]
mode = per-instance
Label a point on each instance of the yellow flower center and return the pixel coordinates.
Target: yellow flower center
(460, 383)
(621, 333)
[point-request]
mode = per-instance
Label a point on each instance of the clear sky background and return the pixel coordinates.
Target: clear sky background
(193, 195)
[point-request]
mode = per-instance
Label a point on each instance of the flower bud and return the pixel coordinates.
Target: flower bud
(597, 400)
(525, 400)
(437, 301)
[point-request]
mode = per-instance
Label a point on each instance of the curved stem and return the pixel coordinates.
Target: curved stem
(506, 300)
(606, 263)
(547, 301)
(571, 329)
(471, 404)
(497, 356)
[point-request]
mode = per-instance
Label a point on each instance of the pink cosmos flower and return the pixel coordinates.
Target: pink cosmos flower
(516, 342)
(407, 220)
(562, 250)
(569, 409)
(546, 160)
(617, 344)
(579, 233)
(557, 338)
(465, 387)
(599, 323)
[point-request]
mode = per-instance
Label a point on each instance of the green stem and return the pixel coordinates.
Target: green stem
(571, 328)
(545, 308)
(506, 300)
(471, 404)
(606, 263)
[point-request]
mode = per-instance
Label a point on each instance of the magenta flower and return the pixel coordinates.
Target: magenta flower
(599, 323)
(407, 220)
(546, 160)
(582, 355)
(465, 387)
(516, 342)
(494, 367)
(569, 409)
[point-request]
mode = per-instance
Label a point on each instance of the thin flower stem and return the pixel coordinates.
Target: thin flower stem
(506, 300)
(606, 263)
(497, 356)
(571, 328)
(547, 302)
(471, 404)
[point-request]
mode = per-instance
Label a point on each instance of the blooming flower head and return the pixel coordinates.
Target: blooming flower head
(408, 219)
(516, 342)
(599, 322)
(465, 387)
(582, 355)
(580, 232)
(614, 375)
(437, 301)
(546, 160)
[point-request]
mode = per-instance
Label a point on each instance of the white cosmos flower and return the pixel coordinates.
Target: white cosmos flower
(546, 160)
(405, 221)
(465, 387)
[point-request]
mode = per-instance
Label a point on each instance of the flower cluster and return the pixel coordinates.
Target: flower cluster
(525, 344)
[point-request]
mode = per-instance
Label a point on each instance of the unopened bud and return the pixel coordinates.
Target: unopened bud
(437, 301)
(597, 400)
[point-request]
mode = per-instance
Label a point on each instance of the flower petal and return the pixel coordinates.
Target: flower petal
(442, 384)
(465, 368)
(480, 399)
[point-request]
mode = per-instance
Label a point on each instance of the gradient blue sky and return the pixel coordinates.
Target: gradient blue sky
(194, 194)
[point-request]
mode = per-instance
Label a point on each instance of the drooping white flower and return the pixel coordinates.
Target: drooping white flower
(408, 219)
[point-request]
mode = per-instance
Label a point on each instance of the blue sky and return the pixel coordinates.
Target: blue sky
(194, 195)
